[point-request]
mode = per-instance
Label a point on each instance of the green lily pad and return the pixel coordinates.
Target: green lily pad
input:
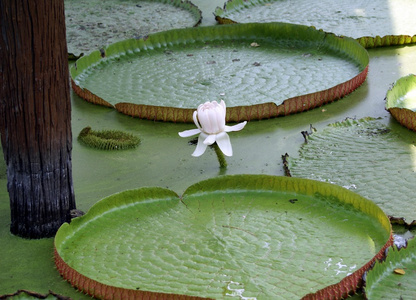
(259, 70)
(366, 157)
(401, 101)
(395, 277)
(252, 236)
(93, 24)
(373, 23)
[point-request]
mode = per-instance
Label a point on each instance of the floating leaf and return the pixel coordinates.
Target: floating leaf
(156, 78)
(401, 101)
(383, 281)
(248, 235)
(366, 157)
(93, 24)
(373, 23)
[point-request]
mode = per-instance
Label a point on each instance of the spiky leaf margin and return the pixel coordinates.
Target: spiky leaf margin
(384, 270)
(108, 139)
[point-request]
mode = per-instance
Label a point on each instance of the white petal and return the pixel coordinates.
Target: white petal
(195, 116)
(203, 118)
(188, 133)
(223, 141)
(200, 147)
(210, 139)
(236, 127)
(220, 116)
(222, 103)
(213, 127)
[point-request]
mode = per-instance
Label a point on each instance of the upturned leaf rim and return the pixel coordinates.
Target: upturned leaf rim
(367, 42)
(345, 46)
(396, 102)
(241, 183)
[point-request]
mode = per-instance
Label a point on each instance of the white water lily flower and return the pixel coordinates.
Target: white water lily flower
(210, 120)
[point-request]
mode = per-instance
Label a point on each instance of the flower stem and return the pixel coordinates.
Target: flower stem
(220, 156)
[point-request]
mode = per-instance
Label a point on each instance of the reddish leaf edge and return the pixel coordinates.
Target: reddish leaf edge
(268, 110)
(348, 286)
(89, 96)
(99, 290)
(405, 116)
(353, 283)
(238, 113)
(234, 114)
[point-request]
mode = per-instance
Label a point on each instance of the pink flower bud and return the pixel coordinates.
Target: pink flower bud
(211, 117)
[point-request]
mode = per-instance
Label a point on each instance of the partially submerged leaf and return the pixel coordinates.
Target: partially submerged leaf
(382, 281)
(366, 157)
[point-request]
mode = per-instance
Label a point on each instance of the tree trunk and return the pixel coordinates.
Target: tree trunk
(35, 115)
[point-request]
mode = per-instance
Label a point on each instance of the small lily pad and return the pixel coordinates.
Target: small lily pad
(395, 277)
(401, 101)
(255, 236)
(108, 139)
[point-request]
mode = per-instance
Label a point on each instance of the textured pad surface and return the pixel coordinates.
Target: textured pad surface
(264, 243)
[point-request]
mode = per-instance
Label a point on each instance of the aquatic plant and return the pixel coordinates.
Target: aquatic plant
(108, 139)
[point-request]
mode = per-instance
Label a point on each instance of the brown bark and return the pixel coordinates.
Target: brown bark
(35, 115)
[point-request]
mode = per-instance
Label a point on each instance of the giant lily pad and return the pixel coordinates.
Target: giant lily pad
(366, 157)
(401, 101)
(260, 70)
(395, 277)
(250, 236)
(373, 23)
(93, 24)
